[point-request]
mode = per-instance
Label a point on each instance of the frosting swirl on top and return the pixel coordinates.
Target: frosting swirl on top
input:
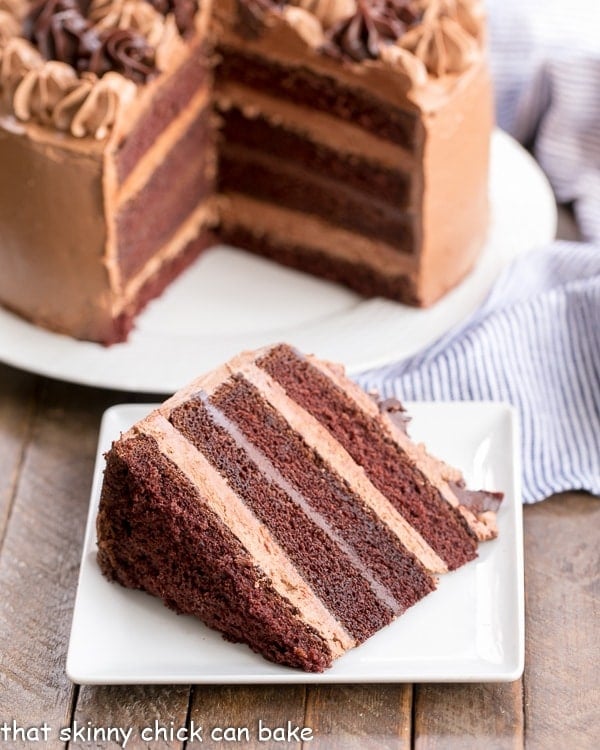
(420, 38)
(445, 48)
(62, 32)
(93, 106)
(17, 58)
(136, 15)
(74, 64)
(41, 89)
(374, 24)
(328, 12)
(9, 26)
(53, 94)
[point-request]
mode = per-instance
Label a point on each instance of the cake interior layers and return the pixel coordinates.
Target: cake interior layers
(180, 183)
(144, 492)
(321, 93)
(165, 168)
(385, 463)
(280, 146)
(337, 547)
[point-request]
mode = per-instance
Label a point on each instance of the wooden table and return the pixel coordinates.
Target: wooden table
(48, 434)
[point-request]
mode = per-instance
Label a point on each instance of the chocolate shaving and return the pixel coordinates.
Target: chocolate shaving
(477, 501)
(375, 23)
(251, 13)
(396, 412)
(121, 50)
(183, 10)
(61, 32)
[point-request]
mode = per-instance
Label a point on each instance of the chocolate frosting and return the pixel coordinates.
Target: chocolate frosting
(9, 26)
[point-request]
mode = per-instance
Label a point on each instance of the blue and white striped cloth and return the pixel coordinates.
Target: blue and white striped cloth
(535, 342)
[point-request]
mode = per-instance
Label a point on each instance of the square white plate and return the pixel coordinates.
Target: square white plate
(471, 629)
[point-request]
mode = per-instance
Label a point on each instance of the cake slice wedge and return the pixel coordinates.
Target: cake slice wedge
(252, 500)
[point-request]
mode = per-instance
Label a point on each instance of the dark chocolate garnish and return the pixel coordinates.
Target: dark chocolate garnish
(477, 501)
(61, 31)
(121, 50)
(375, 22)
(396, 412)
(183, 10)
(251, 13)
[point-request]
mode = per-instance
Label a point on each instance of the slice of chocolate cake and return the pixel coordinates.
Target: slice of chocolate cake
(284, 507)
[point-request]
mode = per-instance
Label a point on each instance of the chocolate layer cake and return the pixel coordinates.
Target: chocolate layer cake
(284, 507)
(350, 140)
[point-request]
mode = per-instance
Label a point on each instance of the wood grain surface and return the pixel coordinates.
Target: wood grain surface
(48, 434)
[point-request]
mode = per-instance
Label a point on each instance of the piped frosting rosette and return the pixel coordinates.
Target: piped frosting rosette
(103, 56)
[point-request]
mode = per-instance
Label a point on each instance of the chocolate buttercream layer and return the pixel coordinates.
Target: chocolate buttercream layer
(258, 133)
(320, 92)
(289, 184)
(386, 465)
(196, 564)
(397, 578)
(174, 189)
(332, 574)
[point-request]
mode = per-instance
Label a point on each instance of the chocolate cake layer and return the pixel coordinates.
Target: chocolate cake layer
(155, 285)
(402, 579)
(319, 92)
(390, 470)
(288, 184)
(175, 188)
(359, 277)
(262, 135)
(305, 537)
(156, 533)
(167, 104)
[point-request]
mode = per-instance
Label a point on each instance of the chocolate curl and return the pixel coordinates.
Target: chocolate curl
(62, 32)
(121, 50)
(183, 10)
(375, 23)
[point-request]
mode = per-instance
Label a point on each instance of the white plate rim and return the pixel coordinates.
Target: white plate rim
(509, 671)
